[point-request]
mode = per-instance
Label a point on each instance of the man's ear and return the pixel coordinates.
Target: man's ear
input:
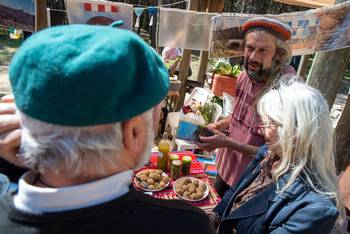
(134, 134)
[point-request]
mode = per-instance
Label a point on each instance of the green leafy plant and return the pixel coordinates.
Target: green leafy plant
(217, 100)
(207, 111)
(226, 69)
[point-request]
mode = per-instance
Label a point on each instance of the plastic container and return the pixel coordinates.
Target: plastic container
(223, 84)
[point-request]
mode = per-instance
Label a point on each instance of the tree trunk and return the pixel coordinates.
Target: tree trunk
(303, 65)
(343, 139)
(327, 71)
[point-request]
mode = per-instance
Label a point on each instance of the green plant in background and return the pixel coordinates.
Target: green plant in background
(207, 111)
(226, 69)
(170, 63)
(217, 100)
(8, 48)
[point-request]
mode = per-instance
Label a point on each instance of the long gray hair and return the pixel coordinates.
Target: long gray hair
(305, 135)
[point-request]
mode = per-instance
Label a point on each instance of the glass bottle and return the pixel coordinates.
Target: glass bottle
(163, 157)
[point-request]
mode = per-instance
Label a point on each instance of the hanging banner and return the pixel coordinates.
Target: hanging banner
(334, 30)
(184, 29)
(308, 3)
(99, 12)
(322, 29)
(304, 27)
(226, 38)
(18, 14)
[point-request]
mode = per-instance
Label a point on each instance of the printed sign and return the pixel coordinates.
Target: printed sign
(99, 13)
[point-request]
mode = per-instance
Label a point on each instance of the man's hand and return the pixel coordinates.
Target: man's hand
(10, 133)
(218, 140)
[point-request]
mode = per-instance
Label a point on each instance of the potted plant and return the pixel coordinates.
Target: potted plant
(225, 78)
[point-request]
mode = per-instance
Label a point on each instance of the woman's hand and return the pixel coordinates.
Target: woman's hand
(10, 132)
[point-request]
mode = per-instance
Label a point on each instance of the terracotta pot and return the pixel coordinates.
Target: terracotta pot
(222, 84)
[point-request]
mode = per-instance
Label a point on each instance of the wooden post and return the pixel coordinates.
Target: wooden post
(185, 63)
(212, 6)
(303, 65)
(327, 71)
(342, 134)
(153, 31)
(40, 14)
(156, 21)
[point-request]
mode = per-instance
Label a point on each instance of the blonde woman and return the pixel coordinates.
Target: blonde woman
(291, 186)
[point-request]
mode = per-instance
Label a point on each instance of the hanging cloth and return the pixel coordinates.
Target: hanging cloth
(151, 11)
(138, 12)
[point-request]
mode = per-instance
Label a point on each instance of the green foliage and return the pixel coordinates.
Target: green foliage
(224, 68)
(217, 100)
(207, 111)
(8, 48)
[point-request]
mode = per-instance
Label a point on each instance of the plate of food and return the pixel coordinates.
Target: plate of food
(151, 180)
(191, 189)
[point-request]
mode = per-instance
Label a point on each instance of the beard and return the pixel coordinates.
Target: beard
(260, 75)
(145, 156)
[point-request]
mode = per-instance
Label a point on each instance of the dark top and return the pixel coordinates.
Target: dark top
(299, 209)
(132, 213)
(11, 171)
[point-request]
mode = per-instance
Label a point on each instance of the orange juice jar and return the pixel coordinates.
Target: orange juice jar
(163, 157)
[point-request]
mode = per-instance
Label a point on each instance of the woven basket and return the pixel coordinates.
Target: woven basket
(222, 84)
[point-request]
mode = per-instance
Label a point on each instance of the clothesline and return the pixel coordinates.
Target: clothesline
(165, 5)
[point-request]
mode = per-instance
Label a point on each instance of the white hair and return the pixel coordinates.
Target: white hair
(75, 151)
(305, 135)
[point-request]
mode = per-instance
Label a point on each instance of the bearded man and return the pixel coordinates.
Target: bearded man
(265, 60)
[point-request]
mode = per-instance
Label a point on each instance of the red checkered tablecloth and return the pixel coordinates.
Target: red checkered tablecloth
(196, 171)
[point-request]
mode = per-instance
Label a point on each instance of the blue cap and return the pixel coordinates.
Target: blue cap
(83, 75)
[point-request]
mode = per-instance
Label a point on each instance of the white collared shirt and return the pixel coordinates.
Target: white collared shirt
(37, 200)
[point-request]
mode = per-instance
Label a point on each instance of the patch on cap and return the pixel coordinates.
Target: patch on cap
(272, 25)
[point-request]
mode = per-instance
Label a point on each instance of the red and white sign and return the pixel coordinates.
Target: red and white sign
(100, 7)
(101, 13)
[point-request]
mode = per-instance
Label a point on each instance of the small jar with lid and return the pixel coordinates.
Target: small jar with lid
(172, 157)
(175, 169)
(186, 165)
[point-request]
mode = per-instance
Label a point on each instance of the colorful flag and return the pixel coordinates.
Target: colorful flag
(151, 11)
(138, 12)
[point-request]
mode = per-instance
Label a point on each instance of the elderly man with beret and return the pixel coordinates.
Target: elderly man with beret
(265, 57)
(86, 99)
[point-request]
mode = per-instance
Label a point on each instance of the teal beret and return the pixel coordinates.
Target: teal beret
(83, 75)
